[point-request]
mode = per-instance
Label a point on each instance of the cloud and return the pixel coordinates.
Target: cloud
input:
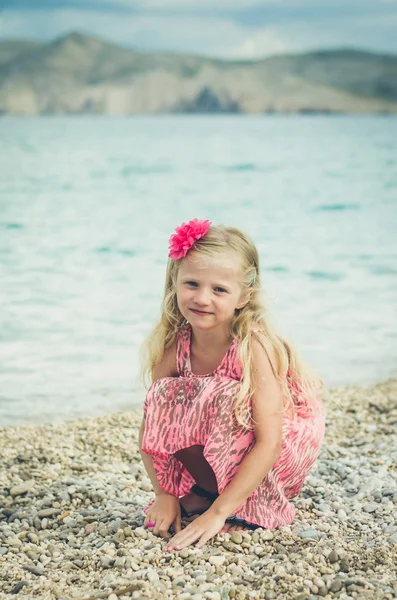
(252, 34)
(157, 5)
(266, 42)
(195, 35)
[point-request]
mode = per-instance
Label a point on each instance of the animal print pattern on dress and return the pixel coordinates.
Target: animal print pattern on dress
(198, 409)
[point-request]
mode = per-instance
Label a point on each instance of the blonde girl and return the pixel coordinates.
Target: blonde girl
(233, 420)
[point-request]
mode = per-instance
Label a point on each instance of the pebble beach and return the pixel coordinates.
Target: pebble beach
(71, 520)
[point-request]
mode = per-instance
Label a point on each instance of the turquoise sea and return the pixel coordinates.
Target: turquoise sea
(87, 205)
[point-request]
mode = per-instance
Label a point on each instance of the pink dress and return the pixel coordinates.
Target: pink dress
(197, 409)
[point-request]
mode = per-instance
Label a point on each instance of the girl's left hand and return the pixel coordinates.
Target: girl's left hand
(203, 529)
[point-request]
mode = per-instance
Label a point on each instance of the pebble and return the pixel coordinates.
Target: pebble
(236, 537)
(33, 569)
(71, 520)
(335, 585)
(309, 533)
(333, 556)
(217, 560)
(370, 507)
(22, 488)
(393, 539)
(48, 512)
(342, 516)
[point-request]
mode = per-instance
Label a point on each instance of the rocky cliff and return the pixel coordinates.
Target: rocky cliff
(82, 74)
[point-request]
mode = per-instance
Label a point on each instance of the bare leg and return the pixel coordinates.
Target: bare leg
(193, 460)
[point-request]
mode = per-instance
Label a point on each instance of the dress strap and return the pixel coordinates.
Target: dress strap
(183, 351)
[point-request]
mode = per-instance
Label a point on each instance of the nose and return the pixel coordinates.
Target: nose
(202, 297)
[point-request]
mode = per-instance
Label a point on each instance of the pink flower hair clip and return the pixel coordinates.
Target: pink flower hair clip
(185, 236)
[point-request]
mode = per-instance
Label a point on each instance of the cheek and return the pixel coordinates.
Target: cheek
(182, 295)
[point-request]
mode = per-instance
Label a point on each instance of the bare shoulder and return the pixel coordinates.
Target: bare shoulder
(264, 359)
(165, 368)
(267, 403)
(167, 365)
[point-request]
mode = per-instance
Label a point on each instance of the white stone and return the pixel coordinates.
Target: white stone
(217, 560)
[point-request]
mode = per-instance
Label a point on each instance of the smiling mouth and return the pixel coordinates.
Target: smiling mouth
(200, 312)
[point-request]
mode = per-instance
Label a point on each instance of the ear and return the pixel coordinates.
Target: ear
(245, 300)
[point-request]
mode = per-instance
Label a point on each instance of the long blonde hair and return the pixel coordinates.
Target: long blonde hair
(300, 385)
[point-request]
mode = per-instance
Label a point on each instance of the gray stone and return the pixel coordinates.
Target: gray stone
(389, 529)
(388, 491)
(309, 533)
(48, 512)
(333, 556)
(344, 565)
(14, 542)
(236, 537)
(336, 585)
(32, 555)
(105, 562)
(325, 508)
(342, 516)
(393, 539)
(34, 569)
(22, 488)
(17, 588)
(370, 507)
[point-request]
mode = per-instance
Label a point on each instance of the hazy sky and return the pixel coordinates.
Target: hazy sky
(225, 28)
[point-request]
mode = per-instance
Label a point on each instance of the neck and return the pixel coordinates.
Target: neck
(213, 338)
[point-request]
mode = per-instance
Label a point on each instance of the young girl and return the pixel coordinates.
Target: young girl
(233, 421)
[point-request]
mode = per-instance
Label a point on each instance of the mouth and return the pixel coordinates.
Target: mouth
(200, 312)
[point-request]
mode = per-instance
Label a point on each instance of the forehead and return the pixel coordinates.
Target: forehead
(225, 266)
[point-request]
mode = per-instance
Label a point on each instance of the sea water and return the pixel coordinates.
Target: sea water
(87, 205)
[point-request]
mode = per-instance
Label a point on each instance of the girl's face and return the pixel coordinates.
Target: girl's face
(209, 291)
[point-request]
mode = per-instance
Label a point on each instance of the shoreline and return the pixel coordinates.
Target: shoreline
(71, 520)
(137, 406)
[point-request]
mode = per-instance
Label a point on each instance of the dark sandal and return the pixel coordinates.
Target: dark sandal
(199, 491)
(238, 521)
(184, 513)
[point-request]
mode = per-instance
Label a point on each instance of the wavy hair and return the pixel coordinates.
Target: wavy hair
(300, 386)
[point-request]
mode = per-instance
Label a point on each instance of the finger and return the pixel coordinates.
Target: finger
(156, 528)
(146, 521)
(175, 541)
(203, 540)
(163, 530)
(178, 524)
(185, 538)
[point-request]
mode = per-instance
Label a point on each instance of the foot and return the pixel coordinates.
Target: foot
(229, 527)
(195, 504)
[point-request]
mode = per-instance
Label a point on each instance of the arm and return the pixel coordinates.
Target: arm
(267, 408)
(165, 368)
(166, 510)
(148, 463)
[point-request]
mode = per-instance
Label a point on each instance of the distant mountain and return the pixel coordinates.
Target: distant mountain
(82, 74)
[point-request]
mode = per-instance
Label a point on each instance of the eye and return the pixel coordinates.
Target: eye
(191, 283)
(220, 289)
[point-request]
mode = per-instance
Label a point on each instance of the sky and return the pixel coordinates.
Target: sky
(242, 29)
